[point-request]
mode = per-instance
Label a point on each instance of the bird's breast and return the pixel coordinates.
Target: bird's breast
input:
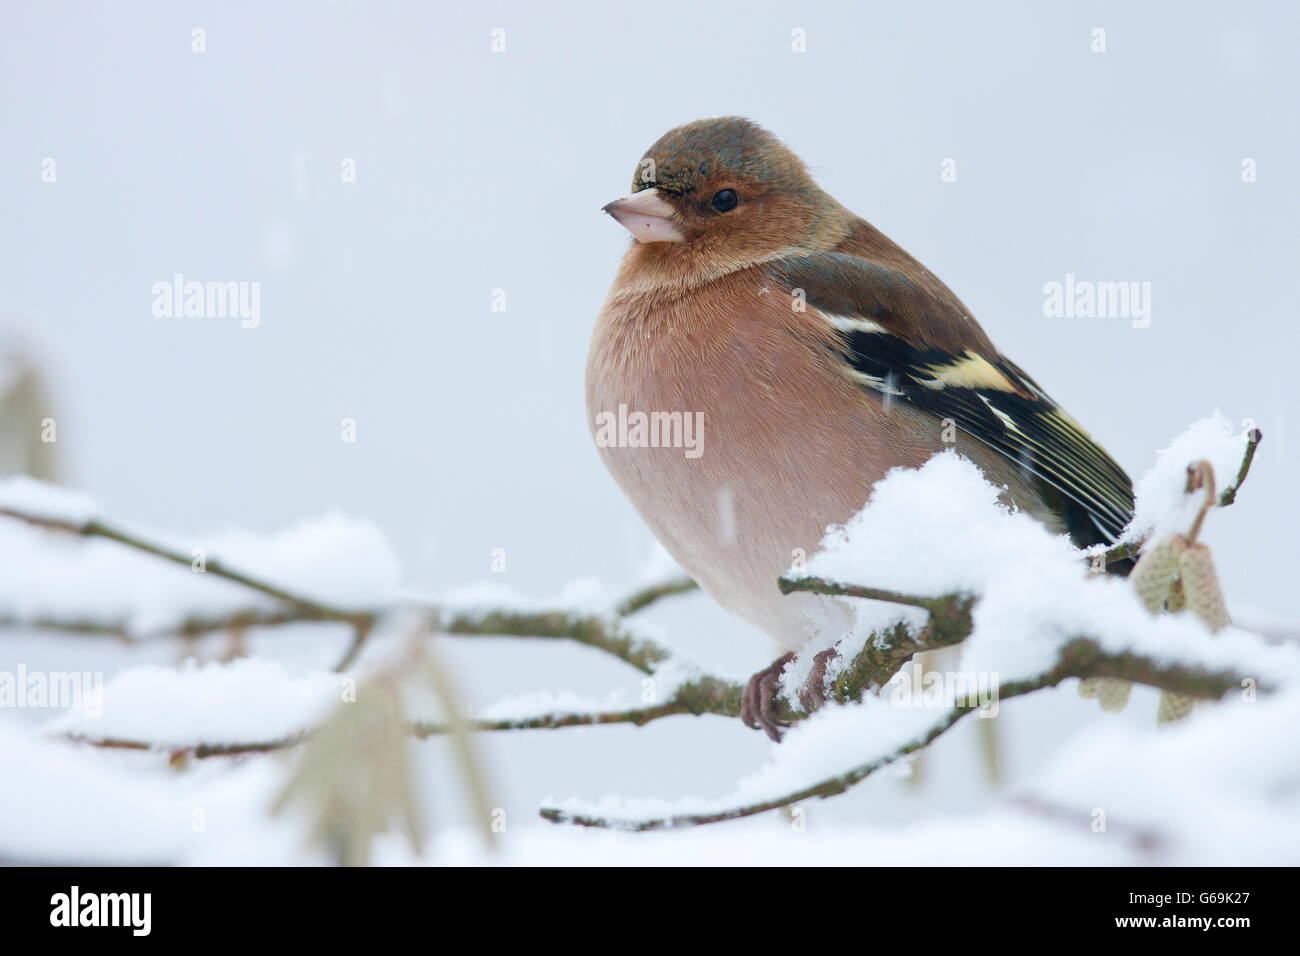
(730, 425)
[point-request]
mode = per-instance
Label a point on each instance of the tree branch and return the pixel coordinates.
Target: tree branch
(604, 634)
(703, 695)
(1252, 443)
(1131, 549)
(601, 633)
(872, 668)
(1081, 657)
(307, 608)
(949, 622)
(647, 596)
(706, 695)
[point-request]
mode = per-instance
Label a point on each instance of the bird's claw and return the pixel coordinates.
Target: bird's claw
(813, 693)
(758, 703)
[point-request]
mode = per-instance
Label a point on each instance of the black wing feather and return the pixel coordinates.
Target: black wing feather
(984, 394)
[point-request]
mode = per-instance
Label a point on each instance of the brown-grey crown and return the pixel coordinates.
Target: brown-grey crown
(681, 159)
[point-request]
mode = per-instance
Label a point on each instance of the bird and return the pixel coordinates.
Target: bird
(815, 355)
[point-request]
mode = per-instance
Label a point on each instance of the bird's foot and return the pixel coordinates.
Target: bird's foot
(758, 703)
(813, 693)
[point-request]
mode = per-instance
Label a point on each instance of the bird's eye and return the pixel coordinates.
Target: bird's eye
(725, 200)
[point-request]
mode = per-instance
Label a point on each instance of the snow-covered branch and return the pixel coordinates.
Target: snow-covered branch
(947, 564)
(57, 510)
(45, 507)
(1080, 658)
(1013, 596)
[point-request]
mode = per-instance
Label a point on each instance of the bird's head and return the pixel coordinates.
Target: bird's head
(723, 190)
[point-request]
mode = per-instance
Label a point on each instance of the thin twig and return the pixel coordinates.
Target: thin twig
(178, 753)
(703, 695)
(309, 608)
(694, 699)
(1081, 657)
(1121, 552)
(605, 634)
(601, 633)
(950, 620)
(360, 631)
(1229, 495)
(822, 586)
(646, 596)
(1131, 549)
(872, 668)
(189, 627)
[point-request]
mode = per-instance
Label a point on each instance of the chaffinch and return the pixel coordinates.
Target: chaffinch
(815, 355)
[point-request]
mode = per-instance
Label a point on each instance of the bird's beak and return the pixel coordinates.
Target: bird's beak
(647, 215)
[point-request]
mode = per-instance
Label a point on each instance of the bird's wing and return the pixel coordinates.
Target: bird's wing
(911, 342)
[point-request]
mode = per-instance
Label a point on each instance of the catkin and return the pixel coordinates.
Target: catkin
(1153, 577)
(1200, 593)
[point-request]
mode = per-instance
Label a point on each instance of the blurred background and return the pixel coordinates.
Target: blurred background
(388, 172)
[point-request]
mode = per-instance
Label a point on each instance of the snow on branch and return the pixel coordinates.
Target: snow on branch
(16, 501)
(934, 560)
(1199, 677)
(1013, 595)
